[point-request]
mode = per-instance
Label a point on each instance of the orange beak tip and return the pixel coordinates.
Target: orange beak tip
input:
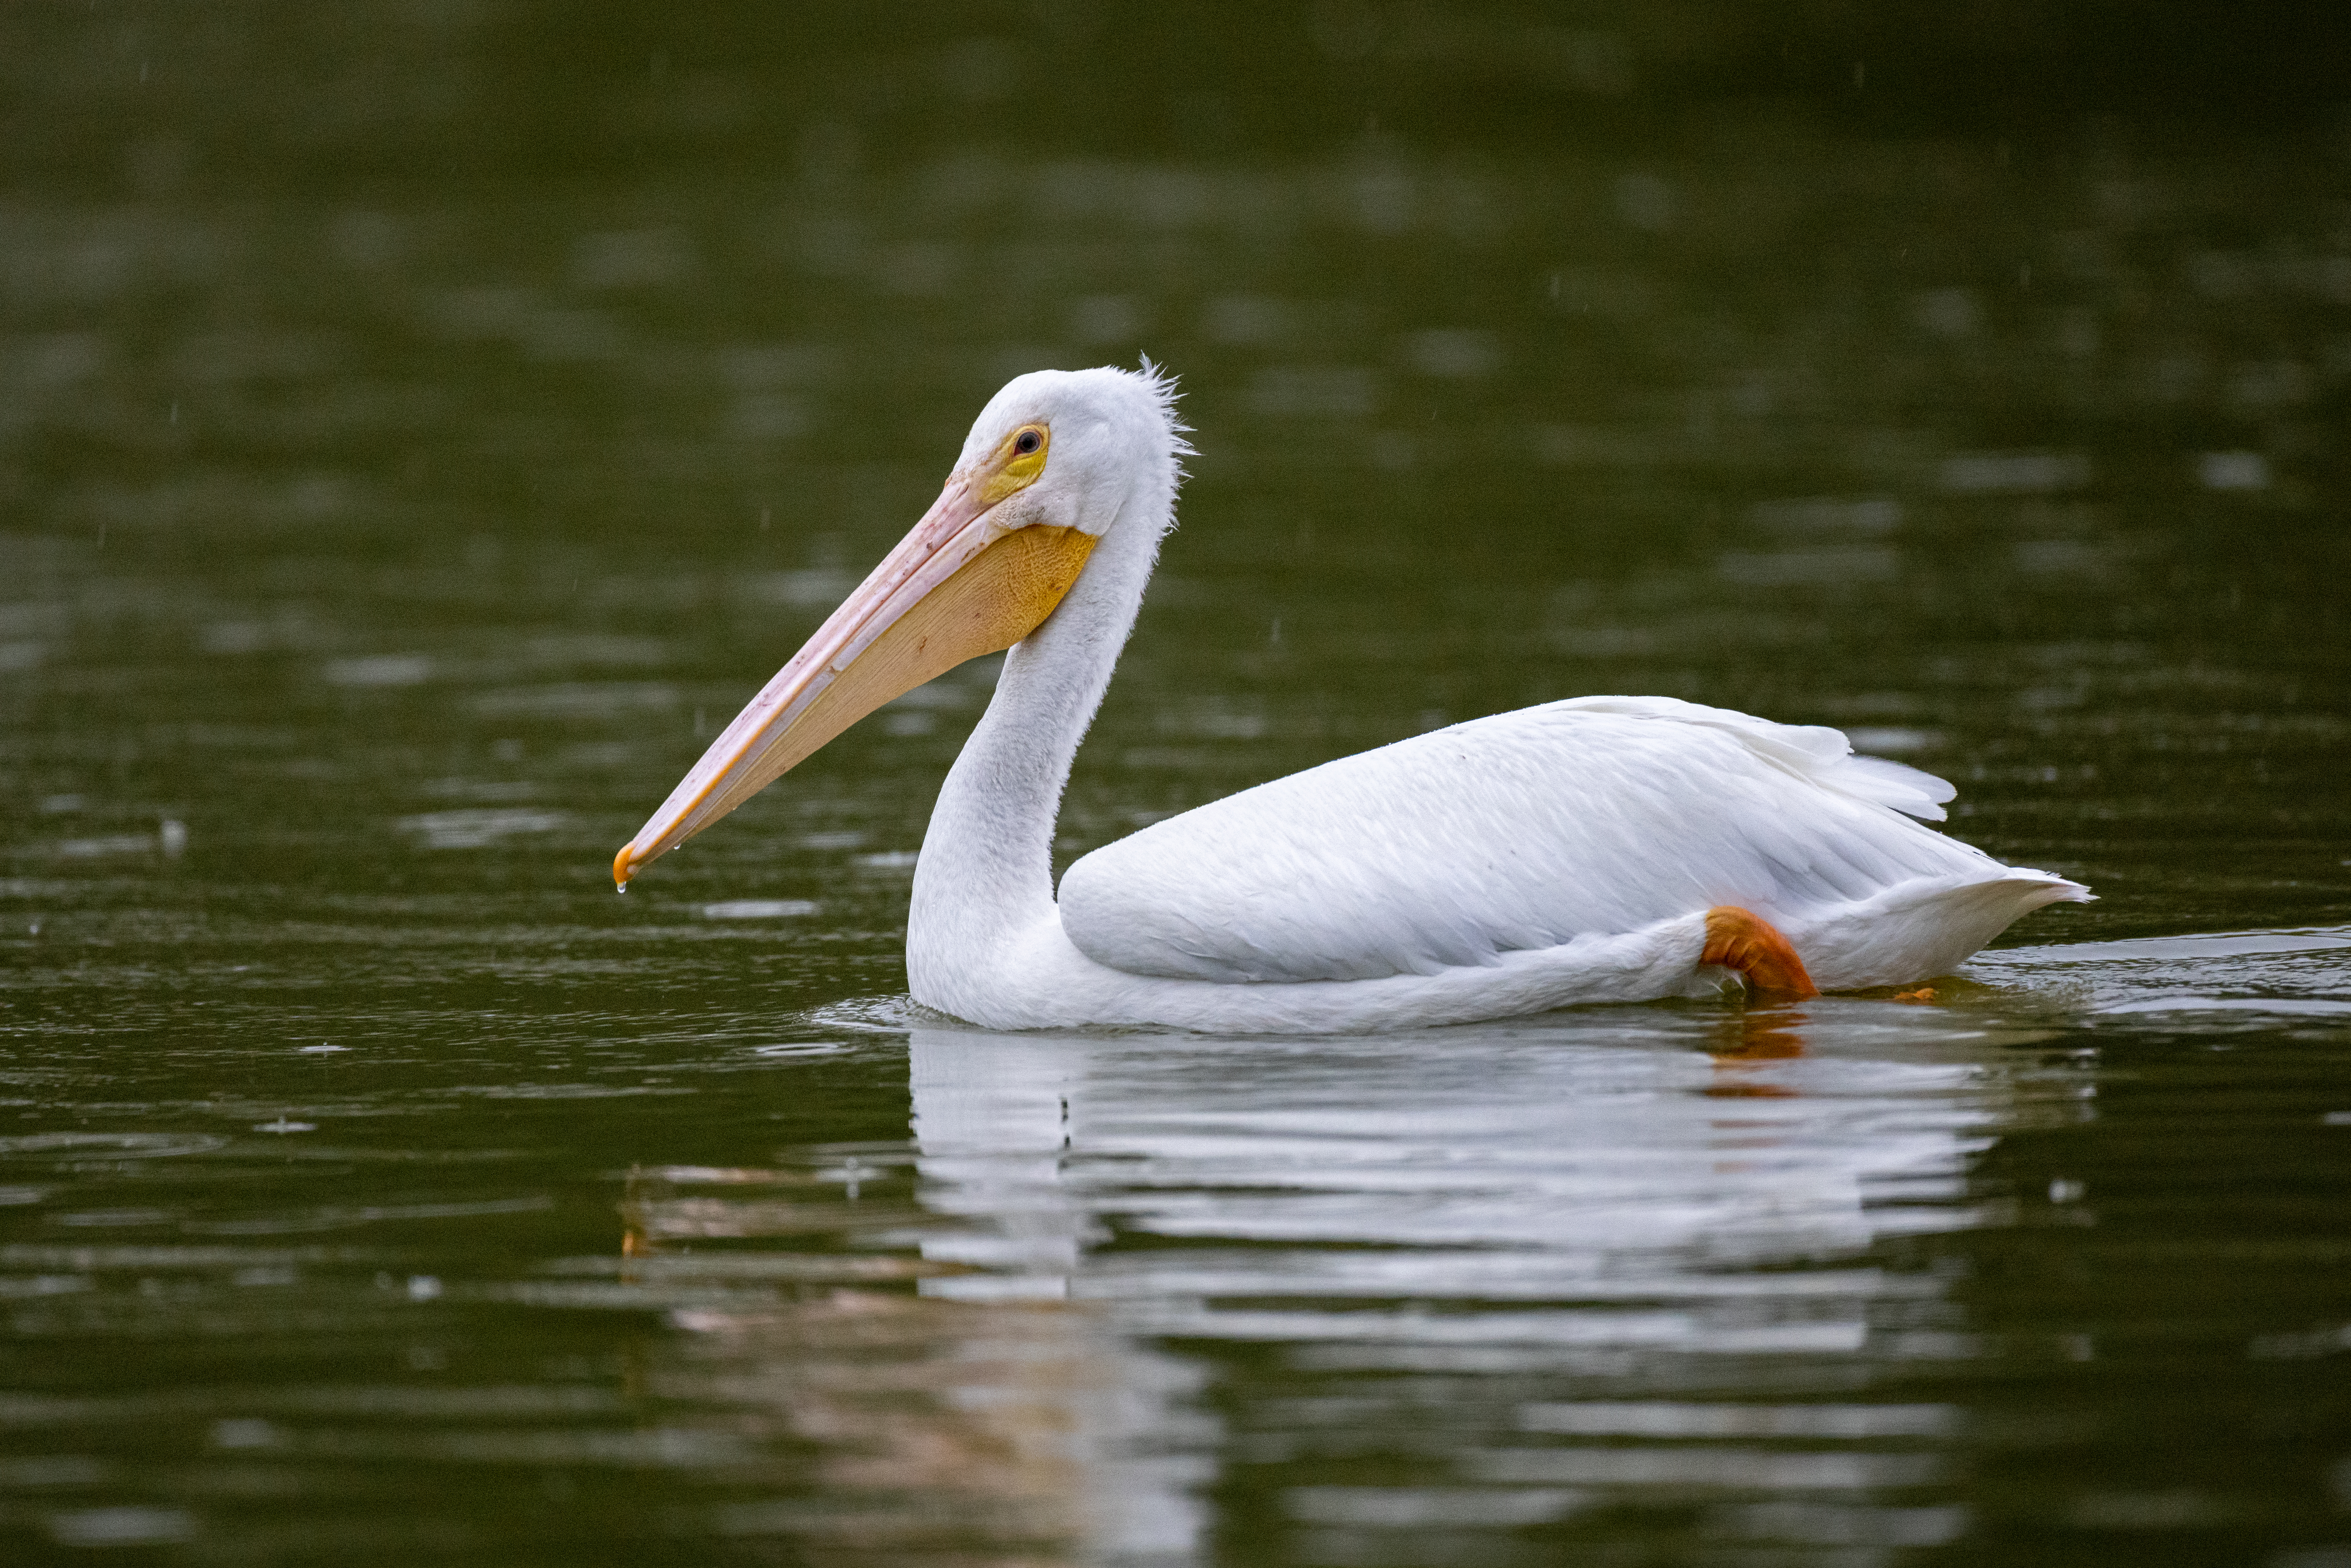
(623, 869)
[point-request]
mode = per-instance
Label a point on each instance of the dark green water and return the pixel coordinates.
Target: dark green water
(421, 426)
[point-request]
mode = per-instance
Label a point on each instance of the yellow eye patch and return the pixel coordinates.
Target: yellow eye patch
(1015, 466)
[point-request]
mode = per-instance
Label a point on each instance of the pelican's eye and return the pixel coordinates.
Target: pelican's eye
(1016, 464)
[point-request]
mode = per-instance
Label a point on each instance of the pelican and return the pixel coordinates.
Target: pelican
(1603, 849)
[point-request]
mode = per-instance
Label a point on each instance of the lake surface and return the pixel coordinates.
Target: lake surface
(421, 427)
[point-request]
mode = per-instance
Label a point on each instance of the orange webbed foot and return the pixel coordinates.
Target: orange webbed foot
(1739, 939)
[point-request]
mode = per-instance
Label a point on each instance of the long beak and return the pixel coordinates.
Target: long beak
(960, 585)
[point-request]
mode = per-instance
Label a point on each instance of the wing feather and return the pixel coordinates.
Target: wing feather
(1597, 815)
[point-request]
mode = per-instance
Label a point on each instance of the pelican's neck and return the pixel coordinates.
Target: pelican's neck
(986, 865)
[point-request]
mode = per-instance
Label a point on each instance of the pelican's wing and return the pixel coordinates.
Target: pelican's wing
(1524, 831)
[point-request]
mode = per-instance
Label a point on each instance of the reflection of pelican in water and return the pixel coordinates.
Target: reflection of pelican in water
(1436, 1296)
(1572, 1142)
(1599, 848)
(1540, 1273)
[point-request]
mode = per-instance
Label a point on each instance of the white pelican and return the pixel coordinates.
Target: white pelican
(1600, 849)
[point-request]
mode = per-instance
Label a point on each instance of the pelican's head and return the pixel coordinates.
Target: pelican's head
(1050, 465)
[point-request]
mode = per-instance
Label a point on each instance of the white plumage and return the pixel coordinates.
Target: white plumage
(1520, 832)
(1558, 854)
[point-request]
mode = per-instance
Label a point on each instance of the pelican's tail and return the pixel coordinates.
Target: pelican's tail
(1922, 928)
